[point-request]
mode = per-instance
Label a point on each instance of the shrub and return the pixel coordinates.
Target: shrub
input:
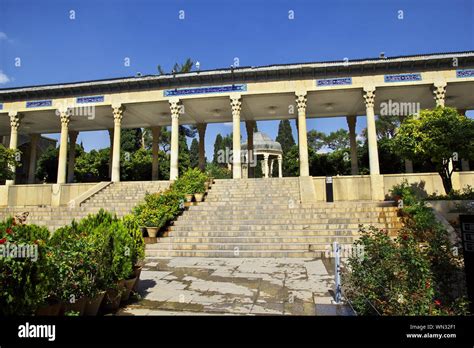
(191, 182)
(392, 277)
(138, 245)
(25, 282)
(424, 248)
(467, 193)
(122, 265)
(159, 208)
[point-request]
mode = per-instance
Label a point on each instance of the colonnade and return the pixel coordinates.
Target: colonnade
(66, 163)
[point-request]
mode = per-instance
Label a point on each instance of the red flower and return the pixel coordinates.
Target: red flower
(3, 240)
(9, 231)
(437, 302)
(404, 236)
(427, 285)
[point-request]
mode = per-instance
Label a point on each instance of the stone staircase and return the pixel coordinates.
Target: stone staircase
(264, 218)
(118, 198)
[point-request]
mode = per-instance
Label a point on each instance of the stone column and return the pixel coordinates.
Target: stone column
(175, 108)
(236, 104)
(155, 147)
(111, 139)
(280, 171)
(351, 123)
(14, 125)
(32, 165)
(118, 116)
(302, 134)
(62, 161)
(408, 166)
(376, 180)
(72, 155)
(265, 165)
(201, 127)
(439, 92)
(464, 162)
(271, 168)
(250, 127)
(369, 96)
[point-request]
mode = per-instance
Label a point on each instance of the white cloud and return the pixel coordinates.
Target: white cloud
(3, 36)
(4, 78)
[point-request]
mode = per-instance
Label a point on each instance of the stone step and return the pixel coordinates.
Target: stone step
(270, 233)
(242, 246)
(313, 226)
(232, 253)
(192, 215)
(265, 240)
(271, 221)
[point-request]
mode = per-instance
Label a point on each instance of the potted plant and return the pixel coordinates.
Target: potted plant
(151, 228)
(199, 197)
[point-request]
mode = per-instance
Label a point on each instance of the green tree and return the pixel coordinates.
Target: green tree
(7, 160)
(92, 166)
(131, 139)
(285, 136)
(316, 140)
(194, 154)
(217, 147)
(338, 140)
(439, 135)
(47, 165)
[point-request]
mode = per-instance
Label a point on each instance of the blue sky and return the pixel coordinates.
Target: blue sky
(54, 48)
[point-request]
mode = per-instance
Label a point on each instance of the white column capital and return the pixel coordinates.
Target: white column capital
(118, 113)
(236, 105)
(301, 100)
(369, 97)
(175, 108)
(14, 120)
(439, 93)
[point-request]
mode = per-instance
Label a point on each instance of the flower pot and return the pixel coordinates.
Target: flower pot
(49, 309)
(111, 300)
(93, 304)
(77, 306)
(152, 231)
(128, 286)
(189, 197)
(199, 197)
(137, 270)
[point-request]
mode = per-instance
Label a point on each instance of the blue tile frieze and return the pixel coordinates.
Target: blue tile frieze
(465, 73)
(334, 82)
(203, 90)
(38, 103)
(403, 77)
(92, 99)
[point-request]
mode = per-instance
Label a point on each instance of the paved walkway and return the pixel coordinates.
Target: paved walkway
(230, 286)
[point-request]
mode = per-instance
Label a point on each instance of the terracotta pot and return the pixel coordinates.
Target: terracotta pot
(128, 289)
(199, 197)
(77, 306)
(189, 197)
(137, 270)
(49, 310)
(93, 304)
(111, 300)
(152, 231)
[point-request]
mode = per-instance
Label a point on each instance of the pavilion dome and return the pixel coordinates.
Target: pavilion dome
(262, 142)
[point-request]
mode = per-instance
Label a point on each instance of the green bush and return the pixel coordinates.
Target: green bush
(138, 245)
(159, 208)
(467, 193)
(392, 277)
(191, 182)
(391, 274)
(25, 282)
